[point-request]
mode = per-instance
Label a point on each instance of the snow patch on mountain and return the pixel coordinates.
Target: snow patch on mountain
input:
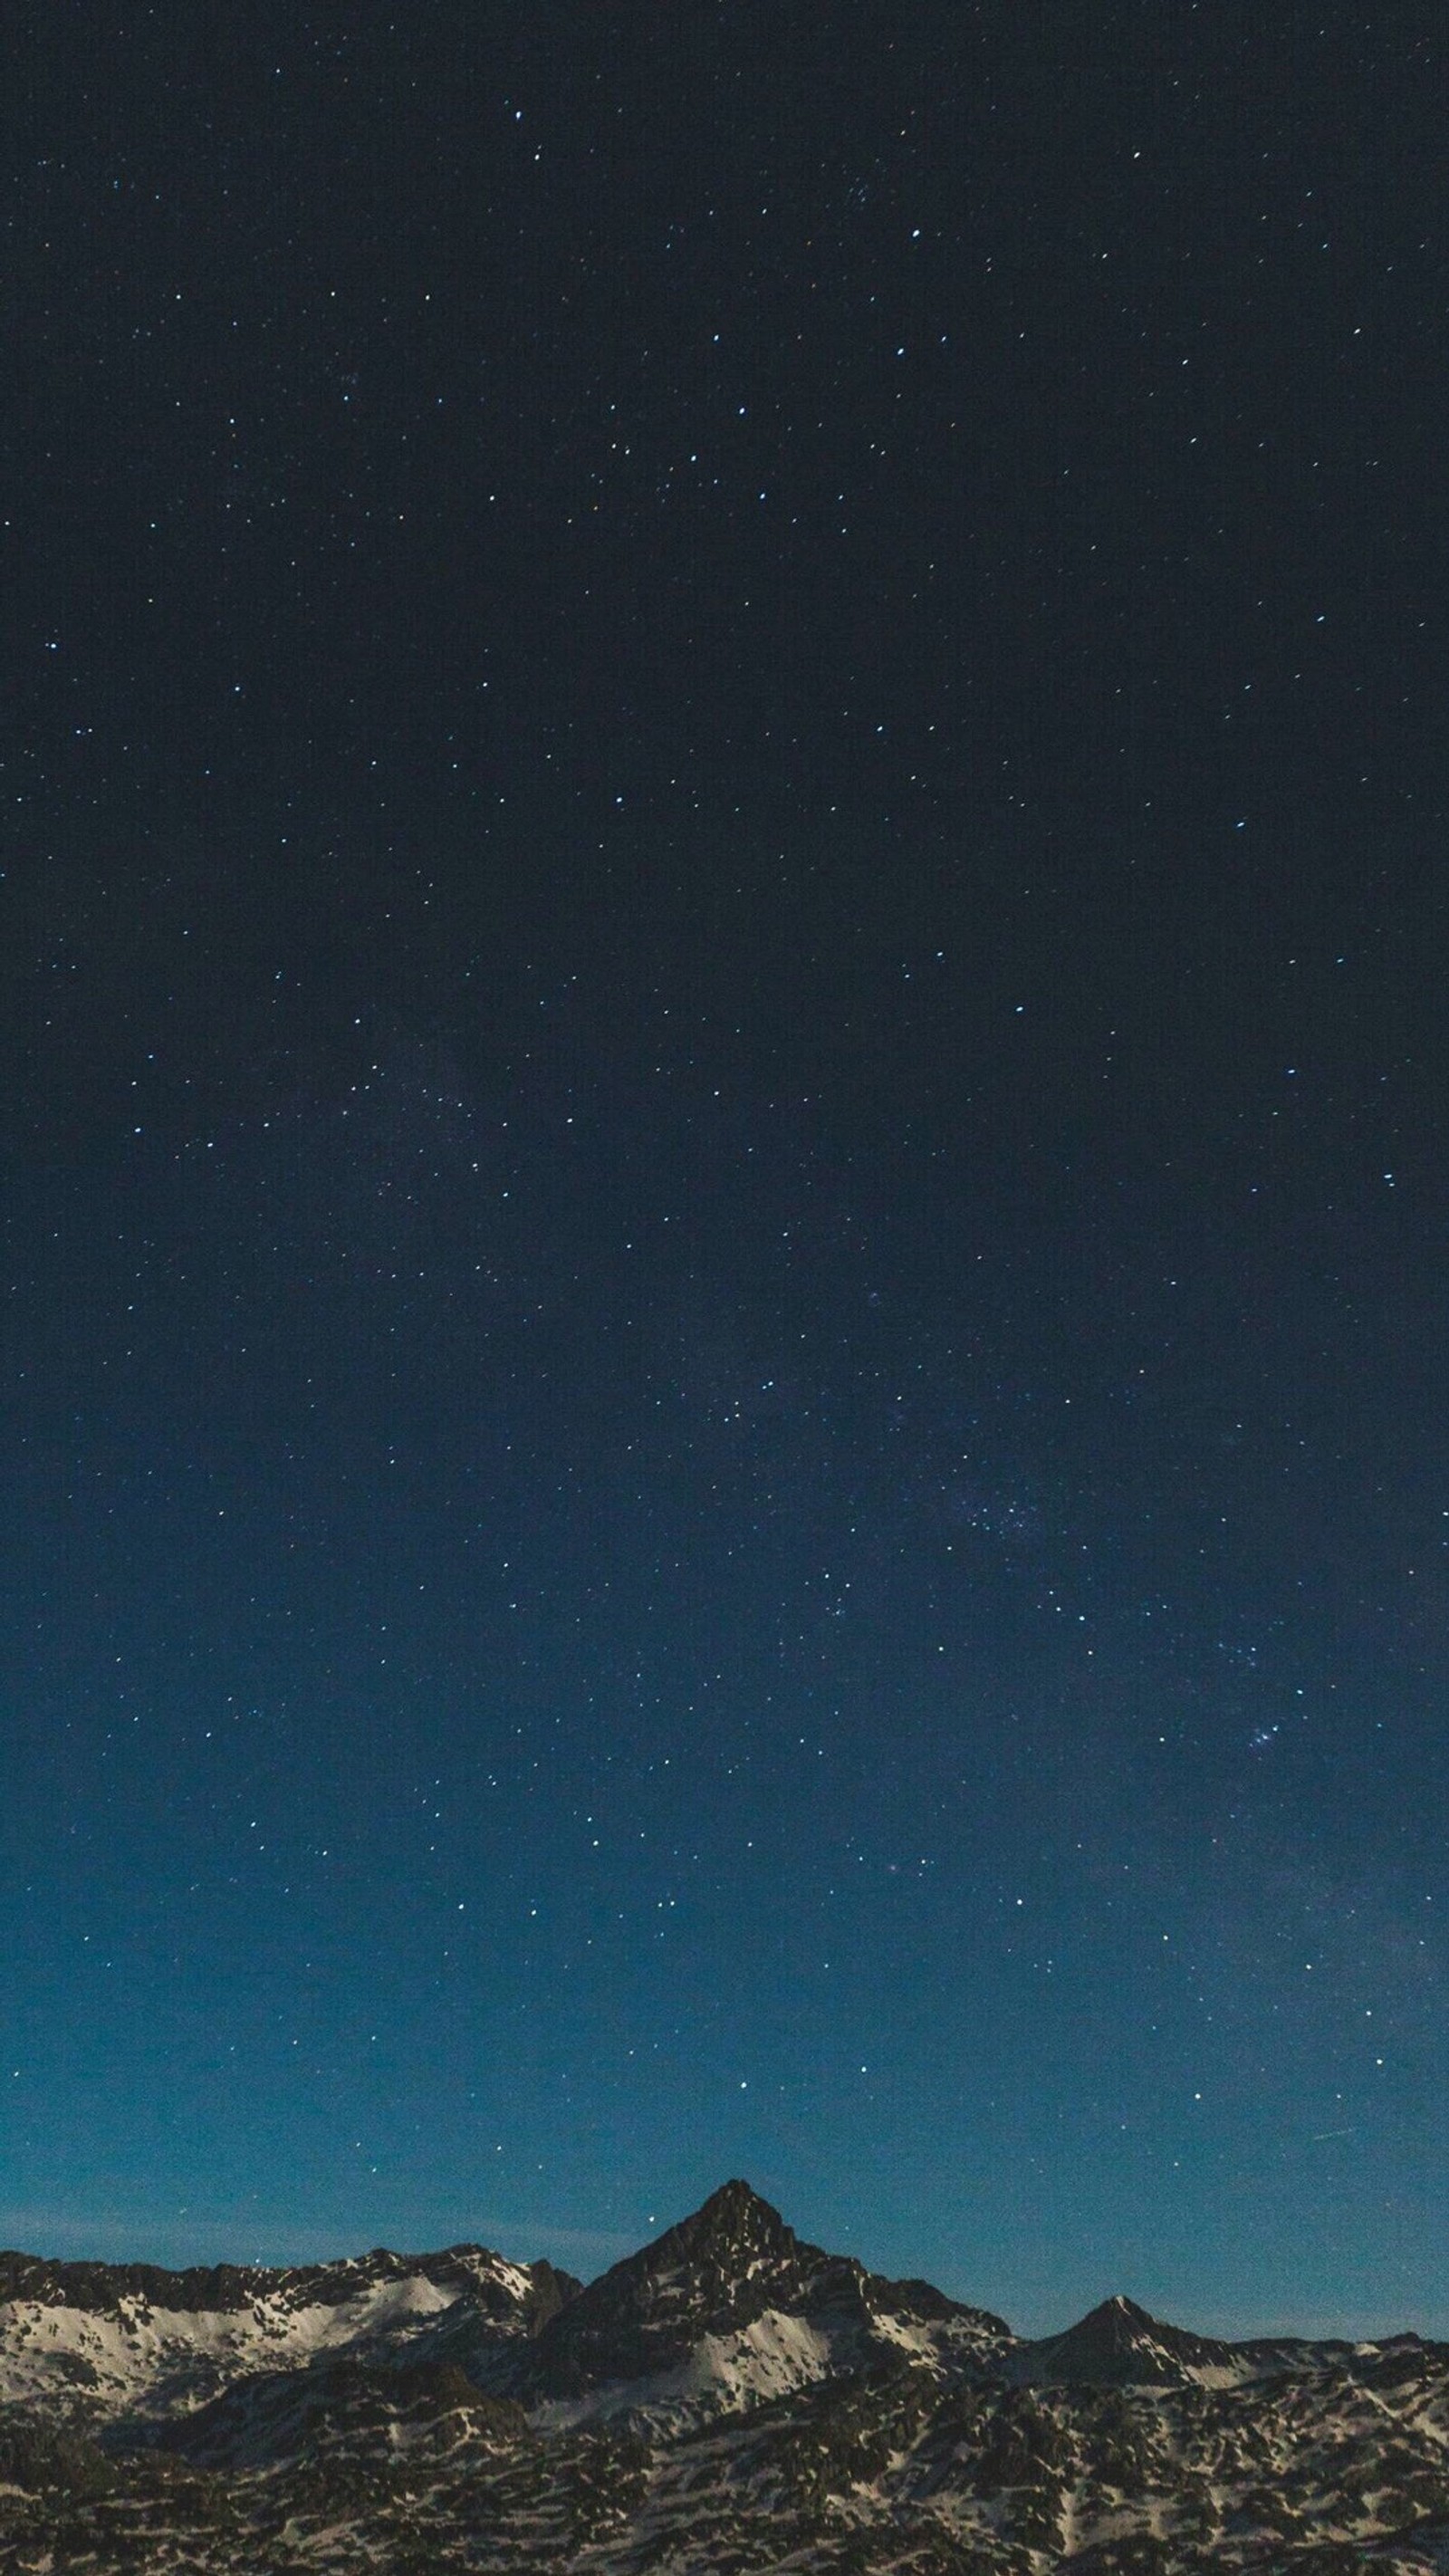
(102, 2350)
(723, 2374)
(167, 2356)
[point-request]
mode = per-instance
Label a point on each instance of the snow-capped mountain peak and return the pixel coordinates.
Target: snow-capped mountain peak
(730, 2396)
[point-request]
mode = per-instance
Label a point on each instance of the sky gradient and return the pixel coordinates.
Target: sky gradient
(722, 1025)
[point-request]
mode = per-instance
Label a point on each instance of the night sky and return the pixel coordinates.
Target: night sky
(722, 1041)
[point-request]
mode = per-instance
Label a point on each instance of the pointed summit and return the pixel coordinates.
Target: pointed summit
(734, 2274)
(733, 2226)
(712, 2273)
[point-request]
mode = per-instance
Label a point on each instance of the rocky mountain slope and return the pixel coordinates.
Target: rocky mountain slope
(729, 2398)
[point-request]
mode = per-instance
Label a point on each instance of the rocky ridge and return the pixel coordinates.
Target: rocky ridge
(730, 2397)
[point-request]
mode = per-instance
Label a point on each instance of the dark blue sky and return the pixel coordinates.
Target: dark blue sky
(721, 1013)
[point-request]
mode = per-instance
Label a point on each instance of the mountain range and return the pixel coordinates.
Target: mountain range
(727, 2398)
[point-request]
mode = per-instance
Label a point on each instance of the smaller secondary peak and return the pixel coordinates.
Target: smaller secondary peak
(1119, 2343)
